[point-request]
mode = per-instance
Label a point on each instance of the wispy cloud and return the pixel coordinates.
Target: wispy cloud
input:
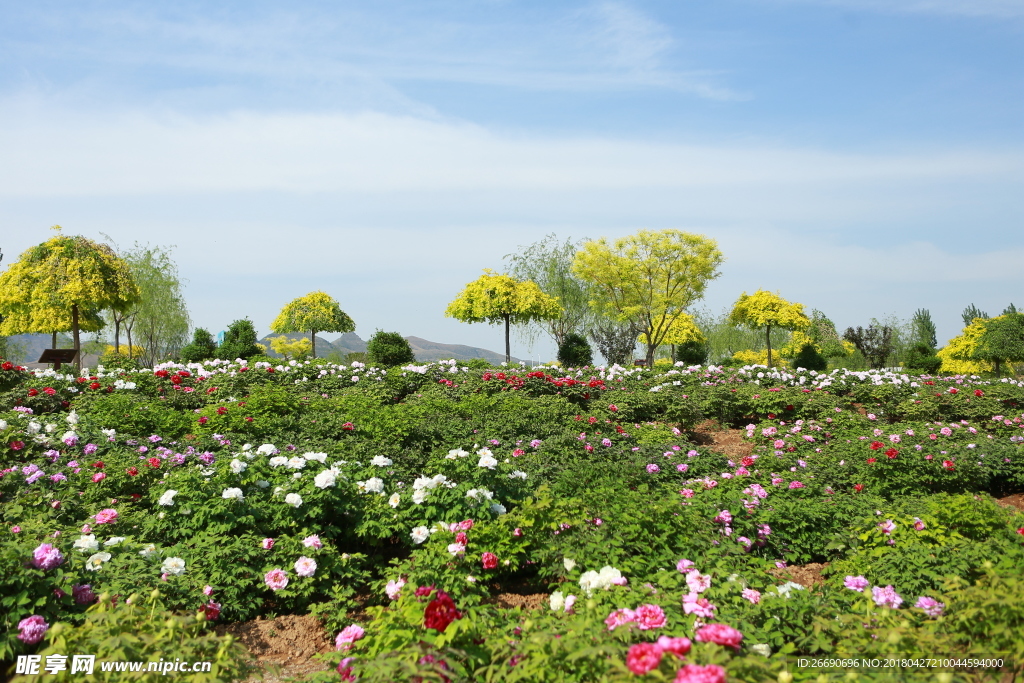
(999, 9)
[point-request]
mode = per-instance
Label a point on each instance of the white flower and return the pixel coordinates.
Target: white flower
(148, 550)
(237, 466)
(589, 582)
(109, 433)
(381, 461)
(423, 483)
(456, 453)
(3, 425)
(557, 601)
(518, 474)
(167, 498)
(296, 462)
(325, 479)
(263, 483)
(72, 418)
(394, 500)
(419, 496)
(86, 543)
(265, 449)
(763, 649)
(420, 534)
(319, 457)
(568, 564)
(438, 479)
(479, 494)
(371, 485)
(305, 566)
(293, 499)
(173, 566)
(456, 548)
(113, 541)
(498, 508)
(95, 562)
(51, 428)
(394, 588)
(486, 459)
(278, 460)
(33, 427)
(232, 493)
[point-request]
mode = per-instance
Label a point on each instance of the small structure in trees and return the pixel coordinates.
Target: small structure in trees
(494, 299)
(315, 312)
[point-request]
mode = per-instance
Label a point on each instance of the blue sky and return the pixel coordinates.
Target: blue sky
(863, 157)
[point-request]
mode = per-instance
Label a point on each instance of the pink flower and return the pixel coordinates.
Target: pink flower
(918, 524)
(620, 617)
(687, 493)
(643, 657)
(751, 594)
(267, 543)
(931, 606)
(83, 595)
(276, 579)
(698, 582)
(652, 468)
(682, 467)
(489, 560)
(856, 583)
(677, 646)
(106, 516)
(208, 590)
(723, 517)
(517, 532)
(349, 635)
(305, 566)
(779, 443)
(98, 477)
(720, 634)
(46, 557)
(886, 597)
(695, 673)
(795, 485)
(345, 669)
(466, 525)
(313, 542)
(685, 566)
(32, 629)
(887, 527)
(694, 604)
(649, 616)
(394, 588)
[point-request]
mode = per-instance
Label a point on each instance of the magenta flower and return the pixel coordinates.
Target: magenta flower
(685, 566)
(694, 604)
(267, 543)
(856, 583)
(83, 595)
(931, 606)
(643, 657)
(795, 485)
(652, 468)
(751, 594)
(276, 579)
(46, 557)
(695, 673)
(887, 527)
(918, 524)
(620, 617)
(32, 629)
(720, 634)
(677, 646)
(106, 516)
(349, 635)
(886, 597)
(649, 616)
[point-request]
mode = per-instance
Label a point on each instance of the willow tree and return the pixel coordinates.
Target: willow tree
(315, 312)
(648, 279)
(63, 284)
(767, 310)
(494, 299)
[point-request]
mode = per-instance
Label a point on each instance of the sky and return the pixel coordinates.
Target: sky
(862, 157)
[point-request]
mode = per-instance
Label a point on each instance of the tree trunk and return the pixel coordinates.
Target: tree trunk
(78, 345)
(117, 334)
(768, 339)
(997, 367)
(312, 337)
(508, 347)
(53, 341)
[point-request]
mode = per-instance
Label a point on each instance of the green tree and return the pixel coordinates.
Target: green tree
(649, 278)
(202, 347)
(63, 284)
(764, 310)
(315, 312)
(548, 263)
(1002, 341)
(615, 340)
(494, 299)
(240, 341)
(875, 343)
(574, 351)
(809, 359)
(389, 349)
(159, 321)
(972, 312)
(922, 329)
(825, 337)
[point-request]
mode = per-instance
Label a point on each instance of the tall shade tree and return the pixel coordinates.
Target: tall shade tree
(315, 312)
(159, 322)
(767, 310)
(649, 278)
(63, 284)
(494, 298)
(548, 263)
(1002, 341)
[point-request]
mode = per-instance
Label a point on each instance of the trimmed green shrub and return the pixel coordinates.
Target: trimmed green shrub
(240, 341)
(692, 353)
(574, 351)
(389, 349)
(201, 348)
(809, 359)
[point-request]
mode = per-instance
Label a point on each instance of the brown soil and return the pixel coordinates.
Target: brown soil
(517, 601)
(728, 442)
(284, 646)
(808, 575)
(1014, 501)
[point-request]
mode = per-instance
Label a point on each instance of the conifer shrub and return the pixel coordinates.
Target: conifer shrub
(202, 347)
(810, 359)
(389, 349)
(574, 351)
(692, 353)
(923, 359)
(240, 341)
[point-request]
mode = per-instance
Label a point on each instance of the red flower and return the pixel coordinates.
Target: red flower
(953, 390)
(720, 634)
(94, 386)
(858, 487)
(211, 389)
(747, 461)
(222, 410)
(489, 560)
(440, 612)
(789, 407)
(348, 426)
(80, 380)
(161, 373)
(203, 420)
(132, 471)
(643, 657)
(99, 464)
(948, 464)
(7, 366)
(771, 416)
(979, 393)
(135, 496)
(49, 391)
(591, 420)
(270, 369)
(175, 380)
(211, 610)
(871, 461)
(1021, 531)
(248, 419)
(17, 445)
(875, 445)
(931, 384)
(153, 462)
(614, 408)
(424, 591)
(892, 453)
(33, 392)
(461, 538)
(184, 373)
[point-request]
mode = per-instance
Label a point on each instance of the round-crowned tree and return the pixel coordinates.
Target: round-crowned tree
(388, 349)
(692, 352)
(574, 351)
(808, 358)
(315, 312)
(240, 341)
(202, 347)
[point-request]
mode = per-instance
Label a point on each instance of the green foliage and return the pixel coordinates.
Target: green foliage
(1002, 340)
(201, 348)
(766, 310)
(809, 359)
(923, 329)
(922, 358)
(240, 341)
(615, 341)
(972, 313)
(574, 351)
(389, 349)
(692, 352)
(315, 312)
(876, 343)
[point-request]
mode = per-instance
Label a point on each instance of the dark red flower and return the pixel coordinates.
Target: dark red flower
(270, 369)
(203, 420)
(440, 612)
(424, 591)
(875, 445)
(789, 407)
(489, 560)
(99, 464)
(175, 380)
(858, 487)
(953, 390)
(95, 385)
(132, 471)
(211, 610)
(979, 393)
(33, 392)
(771, 416)
(161, 373)
(222, 410)
(948, 464)
(892, 453)
(17, 445)
(153, 462)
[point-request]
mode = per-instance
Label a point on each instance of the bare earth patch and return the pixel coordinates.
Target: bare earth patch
(516, 601)
(807, 575)
(284, 646)
(1014, 501)
(728, 442)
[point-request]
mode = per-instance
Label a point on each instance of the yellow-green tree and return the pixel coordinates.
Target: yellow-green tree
(649, 278)
(682, 330)
(496, 298)
(291, 348)
(958, 354)
(767, 310)
(315, 312)
(63, 284)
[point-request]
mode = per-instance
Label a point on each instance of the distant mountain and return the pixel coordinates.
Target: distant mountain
(30, 346)
(423, 349)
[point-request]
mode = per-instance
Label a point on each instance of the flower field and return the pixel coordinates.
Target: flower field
(140, 508)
